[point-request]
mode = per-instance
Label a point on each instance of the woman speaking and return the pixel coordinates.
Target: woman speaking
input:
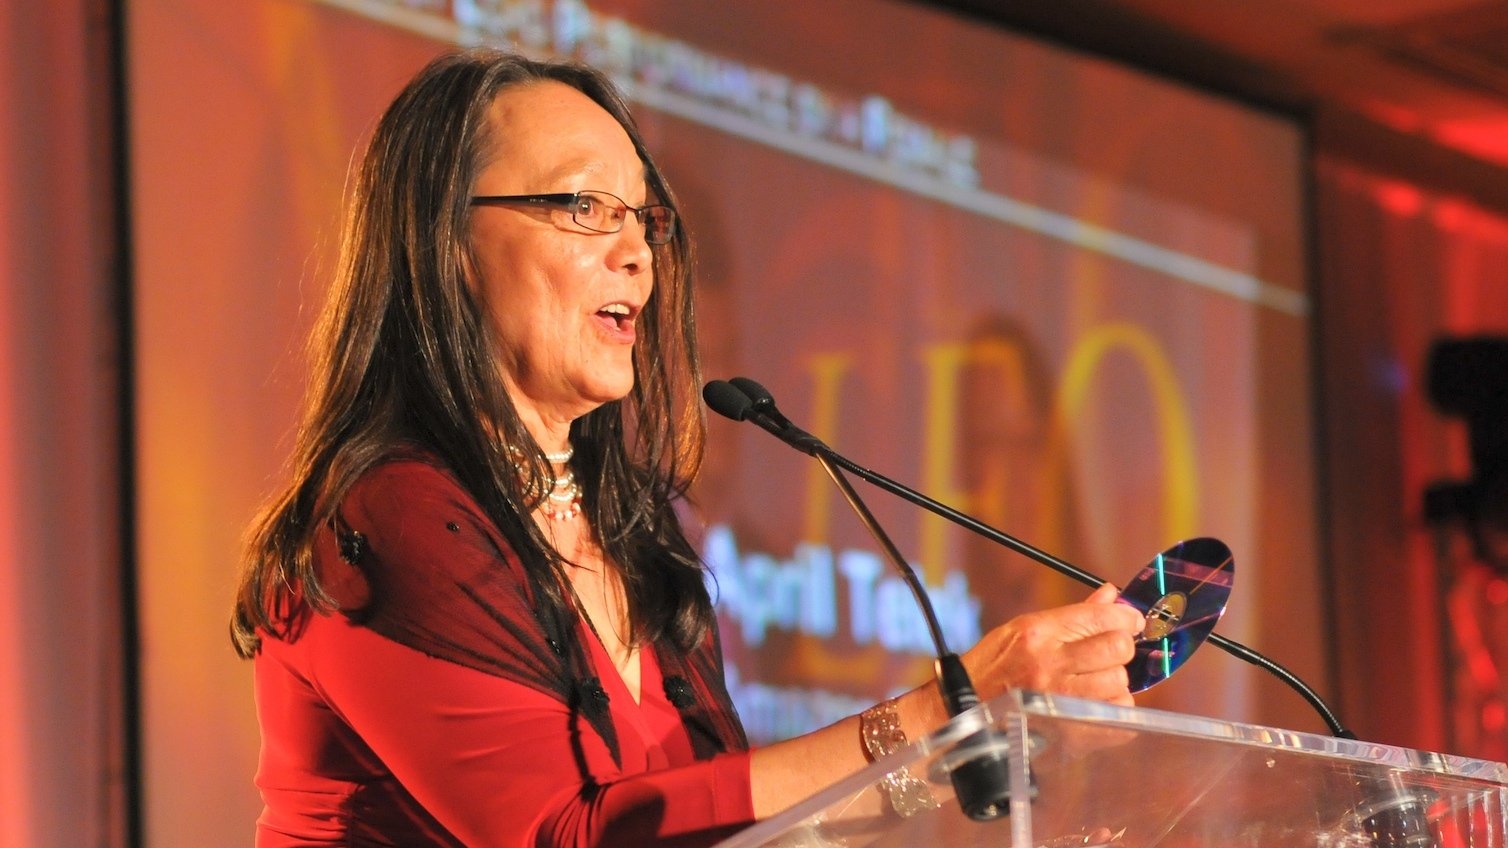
(474, 615)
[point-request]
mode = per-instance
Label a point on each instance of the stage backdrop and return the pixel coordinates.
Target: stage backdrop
(1058, 294)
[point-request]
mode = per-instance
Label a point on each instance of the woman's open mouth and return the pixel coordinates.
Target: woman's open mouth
(618, 320)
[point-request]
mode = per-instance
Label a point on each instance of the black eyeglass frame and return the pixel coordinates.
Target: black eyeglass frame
(568, 201)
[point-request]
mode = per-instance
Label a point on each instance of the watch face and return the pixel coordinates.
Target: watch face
(1182, 594)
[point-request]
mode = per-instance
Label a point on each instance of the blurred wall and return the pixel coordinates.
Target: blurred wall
(1412, 246)
(62, 658)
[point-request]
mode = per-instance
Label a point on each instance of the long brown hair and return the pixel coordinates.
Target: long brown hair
(402, 354)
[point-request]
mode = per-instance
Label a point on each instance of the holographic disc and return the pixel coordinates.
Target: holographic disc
(1182, 594)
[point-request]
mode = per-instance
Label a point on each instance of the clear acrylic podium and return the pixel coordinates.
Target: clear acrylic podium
(1134, 778)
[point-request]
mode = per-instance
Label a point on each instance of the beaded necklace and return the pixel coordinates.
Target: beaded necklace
(563, 503)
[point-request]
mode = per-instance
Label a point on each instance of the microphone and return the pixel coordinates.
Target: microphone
(758, 405)
(979, 770)
(726, 400)
(742, 399)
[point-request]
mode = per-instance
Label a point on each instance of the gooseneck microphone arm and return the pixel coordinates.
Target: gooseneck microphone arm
(728, 400)
(1230, 646)
(1241, 652)
(980, 779)
(762, 411)
(908, 574)
(957, 689)
(969, 522)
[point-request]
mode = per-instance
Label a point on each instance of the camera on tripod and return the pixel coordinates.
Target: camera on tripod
(1468, 378)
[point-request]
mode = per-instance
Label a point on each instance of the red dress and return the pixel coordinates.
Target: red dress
(367, 741)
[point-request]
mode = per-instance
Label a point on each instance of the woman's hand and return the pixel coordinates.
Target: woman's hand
(1080, 650)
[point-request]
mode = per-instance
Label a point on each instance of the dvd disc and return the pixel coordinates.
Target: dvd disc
(1182, 594)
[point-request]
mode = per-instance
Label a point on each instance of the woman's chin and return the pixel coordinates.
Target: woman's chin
(605, 388)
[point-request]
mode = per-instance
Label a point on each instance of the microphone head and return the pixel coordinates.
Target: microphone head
(726, 400)
(759, 395)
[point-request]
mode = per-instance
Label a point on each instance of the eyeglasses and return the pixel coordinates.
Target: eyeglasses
(597, 211)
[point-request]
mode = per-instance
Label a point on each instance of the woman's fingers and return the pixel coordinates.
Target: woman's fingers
(1085, 620)
(1080, 649)
(1102, 650)
(1106, 684)
(1106, 593)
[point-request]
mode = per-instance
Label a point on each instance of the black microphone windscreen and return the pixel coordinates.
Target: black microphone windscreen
(726, 400)
(757, 393)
